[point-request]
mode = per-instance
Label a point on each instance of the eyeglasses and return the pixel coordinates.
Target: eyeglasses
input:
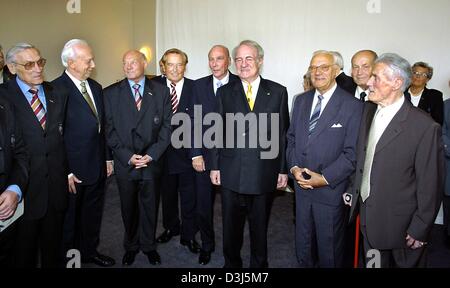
(321, 68)
(420, 74)
(30, 65)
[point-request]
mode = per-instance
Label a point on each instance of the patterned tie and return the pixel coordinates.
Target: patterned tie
(38, 108)
(173, 97)
(137, 96)
(316, 114)
(87, 97)
(362, 96)
(250, 100)
(370, 153)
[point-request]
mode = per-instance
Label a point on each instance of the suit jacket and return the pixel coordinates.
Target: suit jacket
(407, 178)
(431, 102)
(129, 131)
(6, 74)
(346, 83)
(14, 163)
(85, 146)
(446, 139)
(242, 169)
(204, 96)
(179, 160)
(331, 148)
(47, 183)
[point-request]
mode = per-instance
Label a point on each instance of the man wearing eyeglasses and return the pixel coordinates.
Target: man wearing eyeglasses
(40, 114)
(5, 75)
(321, 156)
(362, 65)
(86, 152)
(429, 100)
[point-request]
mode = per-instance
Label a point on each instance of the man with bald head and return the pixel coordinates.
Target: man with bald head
(40, 109)
(362, 65)
(138, 113)
(85, 145)
(321, 154)
(205, 90)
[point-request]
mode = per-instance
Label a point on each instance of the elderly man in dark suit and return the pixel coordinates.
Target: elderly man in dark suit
(399, 177)
(321, 157)
(429, 100)
(138, 132)
(84, 139)
(178, 174)
(247, 174)
(13, 176)
(40, 112)
(205, 91)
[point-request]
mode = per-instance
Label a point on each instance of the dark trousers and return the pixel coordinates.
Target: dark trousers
(39, 237)
(446, 206)
(184, 184)
(7, 239)
(83, 219)
(204, 209)
(235, 209)
(319, 234)
(138, 206)
(396, 258)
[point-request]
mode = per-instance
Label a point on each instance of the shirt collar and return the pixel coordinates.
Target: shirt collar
(328, 93)
(224, 80)
(24, 87)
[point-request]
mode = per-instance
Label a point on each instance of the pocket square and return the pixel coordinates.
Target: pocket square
(338, 125)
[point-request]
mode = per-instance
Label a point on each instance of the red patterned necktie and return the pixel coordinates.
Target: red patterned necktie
(38, 108)
(173, 97)
(137, 96)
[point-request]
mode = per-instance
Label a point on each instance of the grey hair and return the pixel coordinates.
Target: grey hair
(68, 52)
(338, 59)
(251, 43)
(326, 52)
(426, 66)
(400, 67)
(16, 49)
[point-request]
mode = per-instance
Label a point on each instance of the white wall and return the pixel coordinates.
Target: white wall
(290, 30)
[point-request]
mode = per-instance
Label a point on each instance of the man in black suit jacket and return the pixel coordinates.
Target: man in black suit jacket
(248, 176)
(138, 132)
(5, 75)
(40, 114)
(429, 100)
(399, 177)
(84, 139)
(13, 176)
(205, 91)
(178, 174)
(343, 80)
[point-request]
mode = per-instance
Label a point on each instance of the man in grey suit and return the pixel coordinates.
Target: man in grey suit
(321, 157)
(399, 176)
(246, 177)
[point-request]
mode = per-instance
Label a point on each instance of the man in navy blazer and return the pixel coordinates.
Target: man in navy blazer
(86, 152)
(321, 156)
(205, 90)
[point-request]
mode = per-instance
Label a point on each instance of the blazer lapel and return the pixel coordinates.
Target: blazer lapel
(394, 128)
(328, 114)
(262, 98)
(239, 97)
(127, 98)
(22, 102)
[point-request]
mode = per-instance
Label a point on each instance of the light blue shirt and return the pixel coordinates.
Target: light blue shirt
(24, 88)
(141, 89)
(15, 189)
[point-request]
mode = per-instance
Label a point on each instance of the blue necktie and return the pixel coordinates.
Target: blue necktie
(316, 114)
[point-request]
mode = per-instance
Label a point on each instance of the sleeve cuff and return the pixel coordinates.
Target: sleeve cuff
(16, 189)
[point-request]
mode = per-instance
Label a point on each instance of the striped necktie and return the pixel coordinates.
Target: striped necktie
(137, 96)
(173, 97)
(38, 108)
(316, 114)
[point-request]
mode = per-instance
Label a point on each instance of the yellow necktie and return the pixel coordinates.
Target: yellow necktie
(250, 100)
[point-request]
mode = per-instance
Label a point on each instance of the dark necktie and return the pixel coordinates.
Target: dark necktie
(38, 108)
(137, 96)
(362, 96)
(173, 97)
(89, 102)
(316, 114)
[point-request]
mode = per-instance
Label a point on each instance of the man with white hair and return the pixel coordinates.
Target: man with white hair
(84, 138)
